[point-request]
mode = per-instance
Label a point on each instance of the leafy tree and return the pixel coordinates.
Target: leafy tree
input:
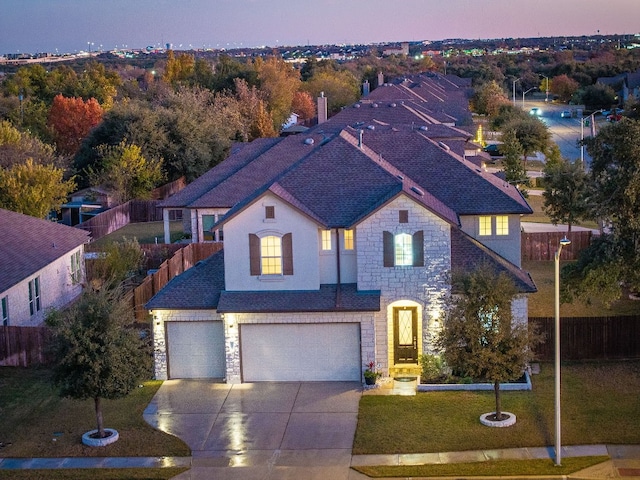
(227, 70)
(532, 134)
(514, 170)
(303, 105)
(565, 184)
(71, 120)
(126, 173)
(278, 82)
(480, 338)
(97, 355)
(120, 262)
(613, 260)
(341, 88)
(597, 96)
(488, 98)
(34, 189)
(16, 147)
(254, 110)
(564, 87)
(179, 69)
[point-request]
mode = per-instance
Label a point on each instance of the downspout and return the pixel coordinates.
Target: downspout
(339, 280)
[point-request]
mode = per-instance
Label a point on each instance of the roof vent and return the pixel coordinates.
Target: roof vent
(444, 146)
(401, 177)
(371, 127)
(357, 105)
(424, 128)
(374, 105)
(418, 191)
(308, 141)
(393, 105)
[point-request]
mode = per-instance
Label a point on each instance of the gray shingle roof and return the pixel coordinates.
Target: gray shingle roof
(467, 253)
(197, 288)
(28, 244)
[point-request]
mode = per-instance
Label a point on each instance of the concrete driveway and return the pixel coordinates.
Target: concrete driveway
(261, 430)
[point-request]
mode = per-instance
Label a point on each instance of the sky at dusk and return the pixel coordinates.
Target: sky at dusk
(70, 25)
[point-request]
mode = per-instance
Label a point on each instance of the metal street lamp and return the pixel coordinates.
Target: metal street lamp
(524, 93)
(563, 242)
(546, 87)
(514, 91)
(593, 129)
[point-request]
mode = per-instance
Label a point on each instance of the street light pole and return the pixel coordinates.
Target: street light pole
(514, 91)
(563, 242)
(524, 93)
(546, 87)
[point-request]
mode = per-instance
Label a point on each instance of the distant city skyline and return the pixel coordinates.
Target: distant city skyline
(30, 26)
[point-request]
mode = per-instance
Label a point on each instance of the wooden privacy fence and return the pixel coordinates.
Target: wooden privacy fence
(590, 338)
(24, 346)
(182, 260)
(543, 245)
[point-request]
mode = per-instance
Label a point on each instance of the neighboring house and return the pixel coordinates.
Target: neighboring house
(84, 205)
(338, 244)
(43, 267)
(625, 85)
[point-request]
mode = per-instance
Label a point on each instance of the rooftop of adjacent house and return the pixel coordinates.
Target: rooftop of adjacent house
(28, 244)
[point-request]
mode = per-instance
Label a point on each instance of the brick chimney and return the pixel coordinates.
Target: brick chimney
(322, 108)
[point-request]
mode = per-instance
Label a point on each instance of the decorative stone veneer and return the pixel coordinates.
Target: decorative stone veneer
(232, 329)
(160, 317)
(425, 286)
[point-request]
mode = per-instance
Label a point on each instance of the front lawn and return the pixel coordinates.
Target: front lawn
(36, 422)
(599, 406)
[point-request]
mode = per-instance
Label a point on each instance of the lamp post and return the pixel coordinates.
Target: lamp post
(593, 130)
(546, 87)
(514, 91)
(524, 93)
(563, 242)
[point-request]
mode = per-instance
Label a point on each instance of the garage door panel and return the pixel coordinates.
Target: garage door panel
(195, 349)
(301, 352)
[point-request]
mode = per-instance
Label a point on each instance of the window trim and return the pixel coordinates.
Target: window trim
(326, 240)
(255, 255)
(76, 267)
(502, 225)
(389, 251)
(485, 225)
(35, 304)
(4, 310)
(349, 239)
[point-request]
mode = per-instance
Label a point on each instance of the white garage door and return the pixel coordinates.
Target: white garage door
(195, 349)
(300, 352)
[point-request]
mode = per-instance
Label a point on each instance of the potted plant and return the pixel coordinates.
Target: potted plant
(370, 374)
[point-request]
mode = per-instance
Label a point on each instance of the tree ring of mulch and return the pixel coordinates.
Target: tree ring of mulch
(91, 438)
(489, 419)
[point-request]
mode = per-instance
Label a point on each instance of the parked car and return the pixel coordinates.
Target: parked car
(493, 149)
(565, 114)
(535, 111)
(614, 117)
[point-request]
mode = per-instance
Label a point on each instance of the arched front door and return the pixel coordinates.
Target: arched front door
(405, 334)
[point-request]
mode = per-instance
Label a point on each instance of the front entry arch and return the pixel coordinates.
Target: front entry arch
(405, 335)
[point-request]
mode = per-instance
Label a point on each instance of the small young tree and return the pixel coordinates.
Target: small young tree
(96, 355)
(480, 338)
(565, 188)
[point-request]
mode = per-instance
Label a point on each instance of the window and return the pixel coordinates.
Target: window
(270, 254)
(208, 234)
(403, 216)
(348, 240)
(270, 212)
(403, 249)
(502, 225)
(34, 296)
(5, 311)
(485, 226)
(76, 267)
(326, 240)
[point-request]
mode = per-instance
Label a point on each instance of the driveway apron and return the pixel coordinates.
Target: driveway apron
(261, 430)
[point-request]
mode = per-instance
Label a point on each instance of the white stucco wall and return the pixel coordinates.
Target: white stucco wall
(56, 290)
(304, 235)
(329, 264)
(508, 246)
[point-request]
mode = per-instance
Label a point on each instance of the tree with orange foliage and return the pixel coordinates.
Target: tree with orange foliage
(71, 120)
(303, 105)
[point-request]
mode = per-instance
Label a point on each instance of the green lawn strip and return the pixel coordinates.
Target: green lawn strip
(599, 406)
(541, 303)
(94, 474)
(36, 422)
(146, 232)
(489, 468)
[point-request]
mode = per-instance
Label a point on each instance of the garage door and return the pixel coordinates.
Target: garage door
(195, 349)
(300, 352)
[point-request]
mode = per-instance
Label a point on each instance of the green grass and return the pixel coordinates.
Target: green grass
(36, 422)
(145, 232)
(599, 406)
(490, 468)
(94, 474)
(541, 303)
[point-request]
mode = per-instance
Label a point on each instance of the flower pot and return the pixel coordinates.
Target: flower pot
(369, 380)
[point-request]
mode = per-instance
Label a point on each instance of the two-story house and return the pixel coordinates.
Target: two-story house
(338, 246)
(43, 267)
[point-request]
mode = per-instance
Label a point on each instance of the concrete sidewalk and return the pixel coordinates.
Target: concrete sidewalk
(93, 462)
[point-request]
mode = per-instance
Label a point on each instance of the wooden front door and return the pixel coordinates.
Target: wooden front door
(405, 334)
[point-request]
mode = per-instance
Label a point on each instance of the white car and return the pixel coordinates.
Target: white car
(535, 111)
(565, 114)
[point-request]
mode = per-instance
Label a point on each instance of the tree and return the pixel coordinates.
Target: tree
(303, 105)
(126, 173)
(71, 120)
(488, 98)
(16, 147)
(564, 87)
(565, 185)
(514, 170)
(613, 259)
(97, 355)
(340, 87)
(254, 110)
(34, 189)
(179, 69)
(597, 96)
(120, 262)
(278, 82)
(480, 338)
(532, 134)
